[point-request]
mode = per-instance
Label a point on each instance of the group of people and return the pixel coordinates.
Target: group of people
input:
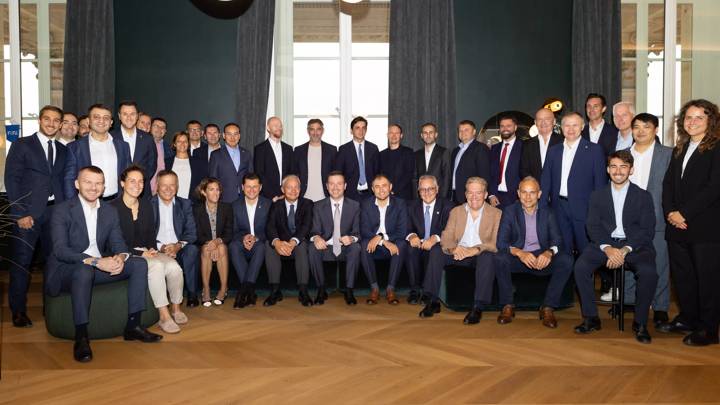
(124, 204)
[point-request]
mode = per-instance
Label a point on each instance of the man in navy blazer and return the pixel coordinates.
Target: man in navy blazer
(143, 151)
(597, 129)
(621, 225)
(158, 129)
(573, 169)
(321, 155)
(383, 228)
(433, 159)
(529, 242)
(397, 162)
(505, 159)
(34, 185)
(247, 249)
(230, 163)
(535, 149)
(175, 230)
(200, 158)
(469, 159)
(358, 160)
(273, 160)
(88, 249)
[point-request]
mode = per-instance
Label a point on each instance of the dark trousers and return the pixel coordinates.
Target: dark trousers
(695, 270)
(273, 262)
(416, 264)
(559, 271)
(641, 261)
(484, 273)
(382, 253)
(349, 254)
(247, 263)
(79, 279)
(572, 230)
(187, 257)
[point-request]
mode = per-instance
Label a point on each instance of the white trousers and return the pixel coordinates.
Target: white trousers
(164, 276)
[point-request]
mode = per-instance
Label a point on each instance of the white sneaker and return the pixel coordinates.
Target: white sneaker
(607, 297)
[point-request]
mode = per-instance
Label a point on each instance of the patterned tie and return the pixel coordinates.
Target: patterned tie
(336, 231)
(291, 219)
(428, 222)
(502, 162)
(51, 154)
(361, 161)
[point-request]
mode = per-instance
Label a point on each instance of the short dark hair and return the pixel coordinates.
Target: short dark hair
(251, 176)
(396, 125)
(212, 125)
(623, 155)
(165, 172)
(357, 119)
(507, 117)
(204, 183)
(129, 103)
(100, 106)
(51, 108)
(131, 168)
(336, 173)
(192, 122)
(315, 121)
(82, 117)
(428, 124)
(646, 118)
(91, 169)
(68, 113)
(161, 119)
(380, 176)
(596, 95)
(229, 124)
(467, 122)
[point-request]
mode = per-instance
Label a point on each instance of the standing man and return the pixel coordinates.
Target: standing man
(158, 128)
(597, 130)
(433, 159)
(144, 122)
(69, 128)
(273, 160)
(83, 126)
(623, 113)
(313, 162)
(358, 161)
(195, 131)
(398, 163)
(505, 165)
(230, 163)
(469, 159)
(143, 152)
(535, 149)
(201, 157)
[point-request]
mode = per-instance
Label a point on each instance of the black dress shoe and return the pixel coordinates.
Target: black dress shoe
(81, 350)
(141, 334)
(425, 299)
(251, 299)
(349, 297)
(700, 338)
(192, 302)
(660, 317)
(641, 333)
(240, 300)
(430, 309)
(21, 320)
(673, 326)
(305, 299)
(588, 325)
(322, 296)
(413, 298)
(272, 299)
(473, 316)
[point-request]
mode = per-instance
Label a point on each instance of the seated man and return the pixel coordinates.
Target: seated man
(529, 242)
(175, 230)
(335, 234)
(426, 219)
(88, 249)
(288, 229)
(467, 241)
(621, 226)
(383, 227)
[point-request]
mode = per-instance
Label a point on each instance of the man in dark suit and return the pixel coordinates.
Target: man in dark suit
(529, 242)
(470, 159)
(334, 236)
(427, 218)
(143, 152)
(433, 159)
(313, 162)
(196, 134)
(34, 172)
(621, 225)
(175, 230)
(288, 229)
(158, 129)
(247, 250)
(200, 158)
(623, 113)
(573, 169)
(88, 249)
(273, 160)
(598, 130)
(358, 160)
(398, 163)
(505, 165)
(535, 149)
(230, 163)
(383, 227)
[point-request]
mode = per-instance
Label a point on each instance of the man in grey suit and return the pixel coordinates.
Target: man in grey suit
(433, 159)
(334, 236)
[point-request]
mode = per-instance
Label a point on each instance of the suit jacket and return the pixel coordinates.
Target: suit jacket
(139, 232)
(439, 167)
(323, 219)
(197, 174)
(277, 225)
(608, 137)
(416, 217)
(658, 167)
(242, 221)
(399, 166)
(587, 173)
(300, 161)
(347, 162)
(395, 219)
(696, 194)
(530, 161)
(183, 219)
(79, 157)
(200, 164)
(223, 219)
(29, 182)
(475, 161)
(221, 167)
(69, 236)
(512, 231)
(638, 218)
(266, 167)
(512, 171)
(145, 154)
(489, 224)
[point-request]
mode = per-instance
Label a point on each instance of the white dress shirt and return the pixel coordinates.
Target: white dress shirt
(567, 160)
(544, 145)
(503, 185)
(595, 133)
(130, 138)
(618, 197)
(44, 143)
(277, 151)
(166, 231)
(329, 242)
(251, 208)
(428, 153)
(643, 162)
(692, 146)
(103, 155)
(362, 147)
(91, 216)
(471, 236)
(383, 211)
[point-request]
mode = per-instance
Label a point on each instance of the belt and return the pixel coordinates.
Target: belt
(50, 203)
(562, 198)
(618, 239)
(109, 198)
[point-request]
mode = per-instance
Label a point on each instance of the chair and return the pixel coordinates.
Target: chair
(618, 296)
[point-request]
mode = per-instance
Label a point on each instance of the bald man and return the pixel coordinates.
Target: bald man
(273, 159)
(535, 149)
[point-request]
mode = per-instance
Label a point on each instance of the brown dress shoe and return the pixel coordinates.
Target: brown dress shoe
(372, 299)
(506, 315)
(391, 298)
(547, 315)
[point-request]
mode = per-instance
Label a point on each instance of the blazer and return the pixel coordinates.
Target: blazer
(167, 150)
(29, 182)
(696, 194)
(222, 168)
(658, 167)
(277, 225)
(139, 232)
(587, 173)
(323, 219)
(395, 219)
(69, 237)
(439, 167)
(79, 157)
(455, 229)
(416, 217)
(300, 161)
(223, 219)
(399, 166)
(242, 221)
(198, 171)
(512, 229)
(183, 219)
(512, 171)
(530, 160)
(475, 161)
(638, 218)
(145, 154)
(266, 167)
(608, 137)
(347, 162)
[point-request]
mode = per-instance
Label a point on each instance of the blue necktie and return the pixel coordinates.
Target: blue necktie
(428, 221)
(291, 219)
(361, 161)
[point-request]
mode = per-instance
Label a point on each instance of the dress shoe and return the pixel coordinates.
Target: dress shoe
(169, 326)
(547, 316)
(21, 320)
(251, 299)
(425, 299)
(322, 296)
(272, 299)
(180, 318)
(506, 315)
(674, 326)
(413, 298)
(141, 334)
(660, 317)
(372, 299)
(473, 316)
(192, 302)
(430, 309)
(700, 338)
(305, 299)
(641, 333)
(349, 297)
(82, 351)
(240, 300)
(391, 297)
(589, 325)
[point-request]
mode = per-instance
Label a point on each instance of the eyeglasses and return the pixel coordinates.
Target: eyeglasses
(104, 118)
(427, 190)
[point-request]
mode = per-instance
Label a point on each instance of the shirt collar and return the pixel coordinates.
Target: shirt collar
(467, 209)
(86, 205)
(109, 139)
(358, 144)
(388, 204)
(573, 146)
(633, 148)
(162, 203)
(288, 203)
(622, 190)
(431, 205)
(129, 134)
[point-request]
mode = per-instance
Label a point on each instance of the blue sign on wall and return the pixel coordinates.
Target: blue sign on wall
(13, 132)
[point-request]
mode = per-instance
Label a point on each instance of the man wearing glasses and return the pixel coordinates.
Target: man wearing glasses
(195, 132)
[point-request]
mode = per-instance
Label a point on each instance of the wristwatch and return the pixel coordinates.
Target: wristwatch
(94, 262)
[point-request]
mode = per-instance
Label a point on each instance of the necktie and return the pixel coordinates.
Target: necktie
(51, 154)
(428, 222)
(336, 231)
(502, 162)
(291, 219)
(361, 161)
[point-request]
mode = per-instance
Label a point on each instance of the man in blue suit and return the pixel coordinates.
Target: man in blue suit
(505, 159)
(230, 163)
(358, 161)
(598, 130)
(573, 169)
(200, 159)
(529, 242)
(143, 152)
(247, 249)
(470, 159)
(621, 225)
(158, 129)
(88, 249)
(34, 172)
(110, 153)
(175, 230)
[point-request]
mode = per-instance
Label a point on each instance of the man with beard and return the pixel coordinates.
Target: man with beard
(433, 159)
(313, 162)
(69, 128)
(505, 165)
